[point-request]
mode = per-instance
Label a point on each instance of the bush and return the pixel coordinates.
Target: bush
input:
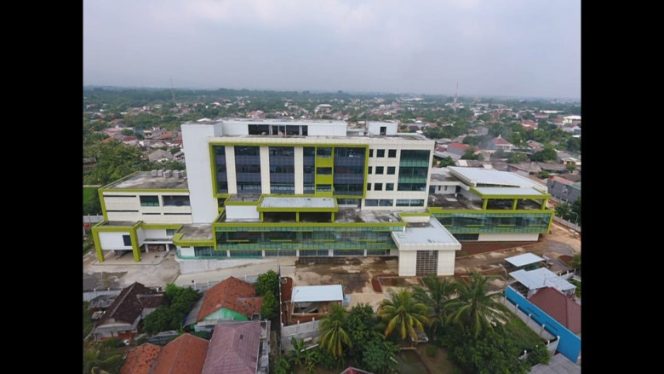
(431, 350)
(268, 282)
(539, 355)
(269, 307)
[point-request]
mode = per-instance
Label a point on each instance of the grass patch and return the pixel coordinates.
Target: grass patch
(521, 333)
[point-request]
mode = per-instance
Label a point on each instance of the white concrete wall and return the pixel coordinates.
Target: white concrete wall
(299, 170)
(121, 203)
(336, 128)
(166, 218)
(140, 235)
(154, 233)
(231, 176)
(446, 262)
(113, 240)
(235, 128)
(265, 169)
(199, 178)
(374, 127)
(407, 262)
(242, 212)
(186, 251)
(530, 237)
(124, 216)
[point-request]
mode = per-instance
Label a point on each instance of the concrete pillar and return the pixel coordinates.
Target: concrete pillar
(231, 176)
(265, 169)
(299, 170)
(485, 202)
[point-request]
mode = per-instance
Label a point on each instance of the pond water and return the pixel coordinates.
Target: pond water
(409, 362)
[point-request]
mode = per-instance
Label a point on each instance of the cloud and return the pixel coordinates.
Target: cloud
(522, 47)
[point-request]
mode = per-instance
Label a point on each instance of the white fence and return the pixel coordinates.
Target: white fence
(307, 331)
(567, 224)
(92, 219)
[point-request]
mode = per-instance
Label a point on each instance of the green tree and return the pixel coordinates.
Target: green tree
(404, 314)
(473, 309)
(269, 307)
(539, 355)
(362, 327)
(489, 353)
(380, 356)
(547, 154)
(298, 354)
(127, 132)
(435, 296)
(516, 157)
(470, 155)
(333, 335)
(268, 283)
(563, 210)
(114, 161)
(282, 366)
(97, 361)
(446, 161)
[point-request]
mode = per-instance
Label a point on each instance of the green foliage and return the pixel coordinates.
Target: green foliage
(543, 174)
(268, 282)
(473, 309)
(570, 212)
(573, 144)
(281, 366)
(472, 140)
(539, 355)
(269, 307)
(98, 358)
(435, 296)
(333, 335)
(470, 155)
(445, 162)
(516, 157)
(127, 132)
(488, 353)
(114, 161)
(168, 165)
(576, 262)
(404, 315)
(361, 325)
(171, 316)
(577, 290)
(380, 356)
(431, 350)
(547, 154)
(91, 205)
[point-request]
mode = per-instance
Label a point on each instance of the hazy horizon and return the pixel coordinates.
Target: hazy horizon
(507, 49)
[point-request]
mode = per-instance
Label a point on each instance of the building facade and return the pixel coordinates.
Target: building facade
(263, 188)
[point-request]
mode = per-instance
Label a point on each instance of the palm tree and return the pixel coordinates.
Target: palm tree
(299, 352)
(473, 308)
(94, 363)
(403, 313)
(333, 335)
(435, 296)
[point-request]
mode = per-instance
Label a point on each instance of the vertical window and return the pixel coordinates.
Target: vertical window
(370, 169)
(371, 153)
(149, 200)
(170, 232)
(379, 170)
(380, 153)
(368, 186)
(378, 186)
(127, 240)
(383, 130)
(389, 187)
(391, 170)
(392, 153)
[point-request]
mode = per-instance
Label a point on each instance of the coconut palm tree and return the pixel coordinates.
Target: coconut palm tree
(403, 313)
(298, 354)
(95, 363)
(473, 308)
(435, 296)
(333, 335)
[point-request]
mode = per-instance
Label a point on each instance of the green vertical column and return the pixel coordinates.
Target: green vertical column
(297, 216)
(97, 242)
(485, 202)
(332, 217)
(134, 245)
(544, 203)
(516, 201)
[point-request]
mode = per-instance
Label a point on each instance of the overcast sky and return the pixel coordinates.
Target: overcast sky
(491, 47)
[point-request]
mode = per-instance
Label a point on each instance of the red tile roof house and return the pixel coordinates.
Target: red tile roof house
(457, 148)
(239, 348)
(132, 305)
(500, 144)
(560, 307)
(230, 299)
(186, 354)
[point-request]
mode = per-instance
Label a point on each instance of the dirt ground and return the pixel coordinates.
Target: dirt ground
(354, 274)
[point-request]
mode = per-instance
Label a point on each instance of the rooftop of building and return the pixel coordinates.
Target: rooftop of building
(196, 232)
(351, 138)
(345, 215)
(244, 198)
(540, 278)
(461, 202)
(561, 307)
(524, 259)
(234, 348)
(489, 177)
(430, 233)
(299, 202)
(332, 292)
(151, 180)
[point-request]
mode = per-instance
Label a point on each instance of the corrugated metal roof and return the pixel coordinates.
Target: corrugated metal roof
(524, 259)
(508, 191)
(317, 293)
(540, 278)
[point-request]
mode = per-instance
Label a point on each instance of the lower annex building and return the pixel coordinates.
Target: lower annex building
(263, 188)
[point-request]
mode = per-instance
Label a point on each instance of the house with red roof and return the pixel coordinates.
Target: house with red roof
(529, 124)
(141, 359)
(500, 144)
(239, 348)
(183, 355)
(561, 307)
(457, 148)
(231, 299)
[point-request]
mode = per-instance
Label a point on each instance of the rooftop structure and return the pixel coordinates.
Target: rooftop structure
(238, 348)
(561, 307)
(524, 259)
(332, 292)
(486, 178)
(540, 278)
(151, 180)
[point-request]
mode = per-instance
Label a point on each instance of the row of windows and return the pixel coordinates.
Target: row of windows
(379, 186)
(391, 170)
(380, 153)
(389, 202)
